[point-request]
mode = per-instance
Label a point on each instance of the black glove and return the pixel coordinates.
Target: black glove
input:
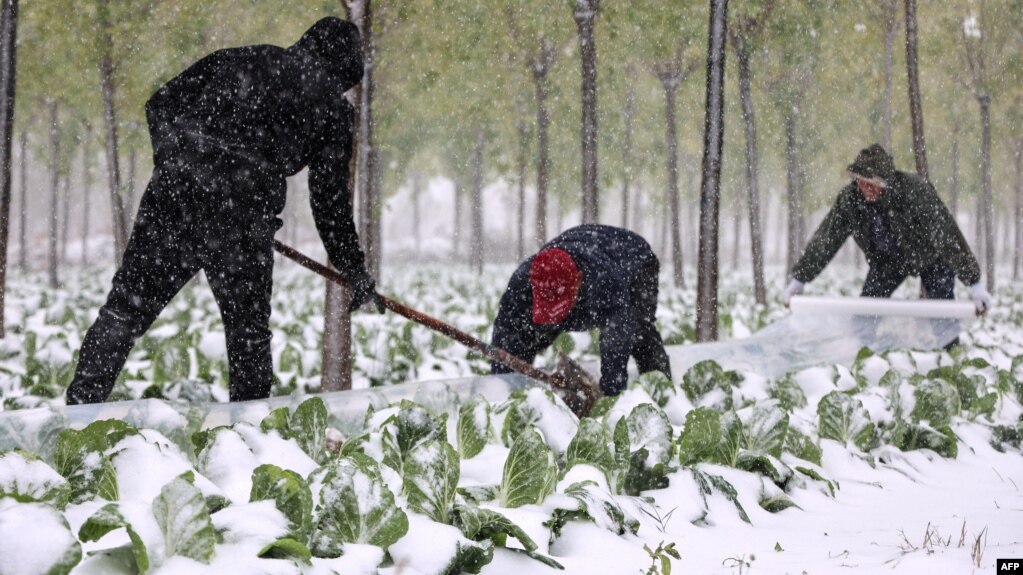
(364, 290)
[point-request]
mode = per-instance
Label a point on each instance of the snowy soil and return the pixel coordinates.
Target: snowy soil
(868, 507)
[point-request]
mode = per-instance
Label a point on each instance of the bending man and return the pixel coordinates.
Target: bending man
(903, 228)
(591, 276)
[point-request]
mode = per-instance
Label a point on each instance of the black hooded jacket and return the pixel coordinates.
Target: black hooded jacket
(277, 110)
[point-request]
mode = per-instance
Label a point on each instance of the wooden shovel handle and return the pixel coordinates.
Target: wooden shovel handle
(495, 353)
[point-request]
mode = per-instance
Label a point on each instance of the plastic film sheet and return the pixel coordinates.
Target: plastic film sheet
(819, 331)
(832, 330)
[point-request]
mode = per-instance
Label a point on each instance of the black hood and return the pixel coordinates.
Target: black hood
(335, 43)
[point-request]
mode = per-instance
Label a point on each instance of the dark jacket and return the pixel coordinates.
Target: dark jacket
(277, 110)
(923, 229)
(610, 260)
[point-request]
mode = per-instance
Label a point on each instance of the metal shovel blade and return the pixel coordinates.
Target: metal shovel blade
(575, 386)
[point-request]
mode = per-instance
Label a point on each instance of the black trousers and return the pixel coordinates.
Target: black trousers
(938, 282)
(212, 217)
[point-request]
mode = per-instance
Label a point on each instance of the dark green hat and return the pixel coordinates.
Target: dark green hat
(873, 162)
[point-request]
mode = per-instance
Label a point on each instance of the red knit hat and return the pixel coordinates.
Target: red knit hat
(555, 280)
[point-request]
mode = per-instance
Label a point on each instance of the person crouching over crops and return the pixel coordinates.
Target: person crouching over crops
(590, 276)
(226, 132)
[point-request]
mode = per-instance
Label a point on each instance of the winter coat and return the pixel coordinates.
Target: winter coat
(610, 259)
(274, 111)
(923, 230)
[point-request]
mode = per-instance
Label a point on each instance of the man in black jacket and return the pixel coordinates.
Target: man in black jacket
(225, 133)
(591, 276)
(904, 230)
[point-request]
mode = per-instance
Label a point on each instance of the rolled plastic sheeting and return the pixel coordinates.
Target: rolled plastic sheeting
(35, 429)
(823, 331)
(926, 308)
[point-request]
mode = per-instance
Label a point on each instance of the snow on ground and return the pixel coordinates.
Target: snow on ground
(857, 503)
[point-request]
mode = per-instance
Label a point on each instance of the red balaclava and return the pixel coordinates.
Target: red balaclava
(555, 280)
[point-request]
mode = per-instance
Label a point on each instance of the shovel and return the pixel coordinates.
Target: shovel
(576, 387)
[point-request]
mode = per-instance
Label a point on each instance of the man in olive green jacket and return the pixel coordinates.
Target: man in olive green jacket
(903, 228)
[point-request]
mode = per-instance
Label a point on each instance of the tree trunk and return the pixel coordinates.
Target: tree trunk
(54, 194)
(476, 248)
(457, 236)
(985, 169)
(752, 186)
(360, 13)
(417, 192)
(630, 104)
(585, 14)
(540, 68)
(106, 77)
(978, 229)
(336, 354)
(520, 217)
(801, 197)
(336, 366)
(86, 182)
(1017, 252)
(889, 11)
(670, 85)
(792, 189)
(129, 200)
(954, 192)
(65, 201)
(710, 187)
(916, 112)
(8, 75)
(736, 231)
(23, 211)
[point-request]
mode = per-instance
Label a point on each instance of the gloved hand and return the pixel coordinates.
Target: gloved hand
(981, 299)
(364, 290)
(795, 287)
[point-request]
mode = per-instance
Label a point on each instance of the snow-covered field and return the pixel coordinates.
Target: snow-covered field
(905, 461)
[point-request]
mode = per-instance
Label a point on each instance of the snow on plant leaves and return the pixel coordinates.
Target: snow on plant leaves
(842, 418)
(910, 436)
(481, 524)
(184, 520)
(106, 520)
(25, 478)
(286, 548)
(355, 506)
(937, 402)
(35, 540)
(643, 449)
(707, 376)
(765, 429)
(431, 479)
(710, 484)
(473, 426)
(530, 472)
(81, 458)
(649, 429)
(289, 492)
(802, 446)
(594, 504)
(658, 385)
(413, 424)
(700, 436)
(307, 426)
(591, 445)
(788, 392)
(540, 408)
